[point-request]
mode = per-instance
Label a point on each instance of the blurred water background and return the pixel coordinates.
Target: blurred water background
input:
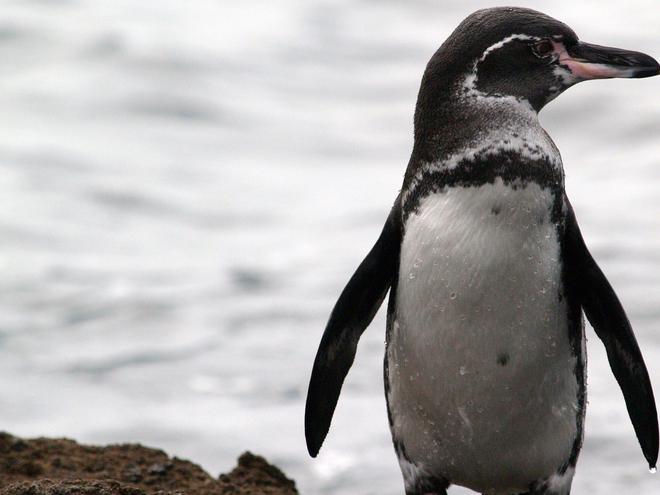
(185, 187)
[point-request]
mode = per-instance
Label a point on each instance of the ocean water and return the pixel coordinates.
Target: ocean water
(185, 187)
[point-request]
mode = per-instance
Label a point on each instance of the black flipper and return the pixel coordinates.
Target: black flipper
(611, 324)
(354, 310)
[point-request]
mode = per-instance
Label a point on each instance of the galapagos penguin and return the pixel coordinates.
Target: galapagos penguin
(489, 275)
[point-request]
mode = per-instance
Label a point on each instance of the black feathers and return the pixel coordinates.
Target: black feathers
(353, 312)
(611, 324)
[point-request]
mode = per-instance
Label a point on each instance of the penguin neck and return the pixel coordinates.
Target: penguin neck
(459, 116)
(465, 136)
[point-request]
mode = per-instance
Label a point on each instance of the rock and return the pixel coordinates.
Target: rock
(255, 475)
(44, 466)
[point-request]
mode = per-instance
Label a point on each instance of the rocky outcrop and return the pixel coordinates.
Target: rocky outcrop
(44, 466)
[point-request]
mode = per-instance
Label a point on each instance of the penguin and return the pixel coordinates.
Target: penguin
(488, 275)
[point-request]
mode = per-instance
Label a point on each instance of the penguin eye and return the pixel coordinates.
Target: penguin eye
(542, 48)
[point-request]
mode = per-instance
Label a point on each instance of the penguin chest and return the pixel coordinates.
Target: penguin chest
(481, 373)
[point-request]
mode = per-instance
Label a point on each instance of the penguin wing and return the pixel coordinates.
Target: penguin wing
(609, 320)
(354, 310)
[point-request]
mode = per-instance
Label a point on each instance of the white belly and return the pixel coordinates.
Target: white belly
(481, 372)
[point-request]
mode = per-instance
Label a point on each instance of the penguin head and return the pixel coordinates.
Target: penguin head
(521, 53)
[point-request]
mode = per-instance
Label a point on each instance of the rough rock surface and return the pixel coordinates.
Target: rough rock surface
(44, 466)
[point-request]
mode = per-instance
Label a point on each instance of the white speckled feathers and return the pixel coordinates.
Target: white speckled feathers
(481, 376)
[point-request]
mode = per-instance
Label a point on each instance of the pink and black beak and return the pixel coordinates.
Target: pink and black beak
(587, 61)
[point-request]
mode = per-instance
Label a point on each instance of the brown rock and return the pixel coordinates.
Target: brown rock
(45, 466)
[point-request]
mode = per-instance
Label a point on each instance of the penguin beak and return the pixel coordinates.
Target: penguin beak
(587, 61)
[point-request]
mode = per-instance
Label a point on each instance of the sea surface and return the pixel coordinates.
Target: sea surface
(185, 187)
